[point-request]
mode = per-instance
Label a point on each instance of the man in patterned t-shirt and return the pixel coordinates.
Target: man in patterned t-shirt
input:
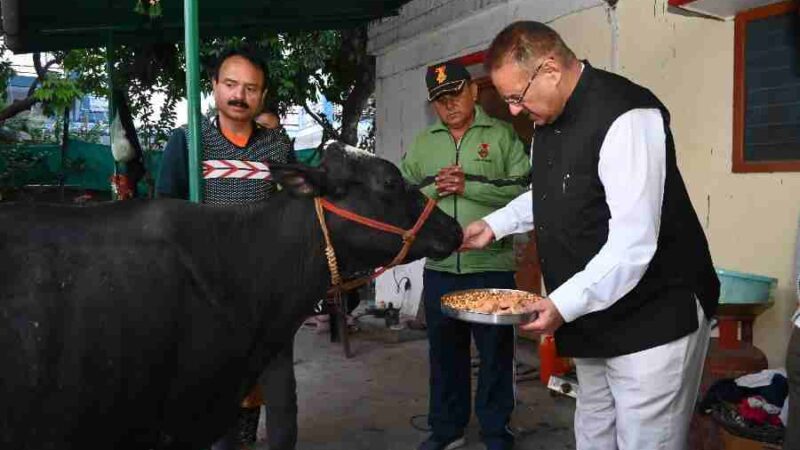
(233, 140)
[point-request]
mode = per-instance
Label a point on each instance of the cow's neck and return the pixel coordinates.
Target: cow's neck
(264, 260)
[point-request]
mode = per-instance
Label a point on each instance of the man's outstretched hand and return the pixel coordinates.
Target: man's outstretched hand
(477, 235)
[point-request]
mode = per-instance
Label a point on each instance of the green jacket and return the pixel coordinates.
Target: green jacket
(496, 169)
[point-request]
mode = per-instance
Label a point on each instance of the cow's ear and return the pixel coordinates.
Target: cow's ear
(299, 179)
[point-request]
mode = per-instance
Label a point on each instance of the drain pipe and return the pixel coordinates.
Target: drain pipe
(613, 21)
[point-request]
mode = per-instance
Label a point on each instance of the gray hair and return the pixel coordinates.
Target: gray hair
(524, 42)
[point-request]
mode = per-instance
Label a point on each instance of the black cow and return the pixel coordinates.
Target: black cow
(141, 325)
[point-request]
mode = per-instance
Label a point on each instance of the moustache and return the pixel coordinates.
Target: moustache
(239, 103)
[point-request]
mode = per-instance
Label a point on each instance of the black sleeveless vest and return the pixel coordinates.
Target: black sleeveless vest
(571, 217)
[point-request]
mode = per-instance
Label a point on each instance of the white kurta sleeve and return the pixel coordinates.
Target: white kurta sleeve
(515, 217)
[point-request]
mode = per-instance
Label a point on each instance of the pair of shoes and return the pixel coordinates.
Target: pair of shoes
(437, 443)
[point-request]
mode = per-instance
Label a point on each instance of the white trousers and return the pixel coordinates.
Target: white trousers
(644, 400)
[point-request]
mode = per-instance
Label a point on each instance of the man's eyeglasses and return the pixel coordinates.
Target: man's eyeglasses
(517, 99)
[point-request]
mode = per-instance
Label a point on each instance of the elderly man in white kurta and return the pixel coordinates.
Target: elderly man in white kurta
(624, 258)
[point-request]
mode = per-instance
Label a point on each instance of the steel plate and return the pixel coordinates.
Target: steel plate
(484, 318)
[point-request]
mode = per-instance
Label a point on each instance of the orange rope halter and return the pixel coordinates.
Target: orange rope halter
(408, 236)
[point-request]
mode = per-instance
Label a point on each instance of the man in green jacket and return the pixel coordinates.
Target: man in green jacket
(473, 164)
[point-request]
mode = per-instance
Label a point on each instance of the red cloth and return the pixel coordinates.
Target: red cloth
(756, 414)
(121, 185)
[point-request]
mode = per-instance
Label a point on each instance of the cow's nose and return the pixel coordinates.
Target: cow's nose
(449, 242)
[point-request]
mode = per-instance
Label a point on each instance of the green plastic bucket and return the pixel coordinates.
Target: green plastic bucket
(738, 287)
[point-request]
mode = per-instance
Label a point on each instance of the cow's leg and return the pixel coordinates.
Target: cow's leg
(341, 324)
(280, 397)
(333, 320)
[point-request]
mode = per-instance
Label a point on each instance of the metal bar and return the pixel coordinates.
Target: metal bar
(62, 173)
(111, 109)
(51, 40)
(192, 47)
(311, 22)
(192, 50)
(109, 74)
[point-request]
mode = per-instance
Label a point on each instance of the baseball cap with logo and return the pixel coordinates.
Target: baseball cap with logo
(446, 77)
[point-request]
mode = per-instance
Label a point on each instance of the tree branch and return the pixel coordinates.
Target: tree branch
(354, 48)
(326, 126)
(50, 64)
(319, 79)
(17, 107)
(41, 71)
(37, 63)
(27, 103)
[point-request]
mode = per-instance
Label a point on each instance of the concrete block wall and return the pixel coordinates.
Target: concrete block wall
(426, 32)
(430, 31)
(750, 219)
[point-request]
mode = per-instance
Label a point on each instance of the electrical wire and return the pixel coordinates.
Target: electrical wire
(397, 284)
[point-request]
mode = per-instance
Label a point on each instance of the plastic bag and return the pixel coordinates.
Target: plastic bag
(121, 148)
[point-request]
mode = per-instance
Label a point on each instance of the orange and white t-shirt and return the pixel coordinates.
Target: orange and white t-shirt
(239, 140)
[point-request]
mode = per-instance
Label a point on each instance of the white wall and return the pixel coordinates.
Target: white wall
(431, 31)
(750, 219)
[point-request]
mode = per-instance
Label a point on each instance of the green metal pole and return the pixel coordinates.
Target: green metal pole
(192, 49)
(112, 111)
(110, 74)
(192, 46)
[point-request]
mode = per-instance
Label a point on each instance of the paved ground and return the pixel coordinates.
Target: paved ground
(367, 402)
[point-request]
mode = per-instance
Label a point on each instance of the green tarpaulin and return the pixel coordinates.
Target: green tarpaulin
(90, 166)
(309, 156)
(47, 25)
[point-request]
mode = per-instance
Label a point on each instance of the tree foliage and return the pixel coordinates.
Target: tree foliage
(6, 70)
(54, 90)
(143, 73)
(302, 67)
(56, 93)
